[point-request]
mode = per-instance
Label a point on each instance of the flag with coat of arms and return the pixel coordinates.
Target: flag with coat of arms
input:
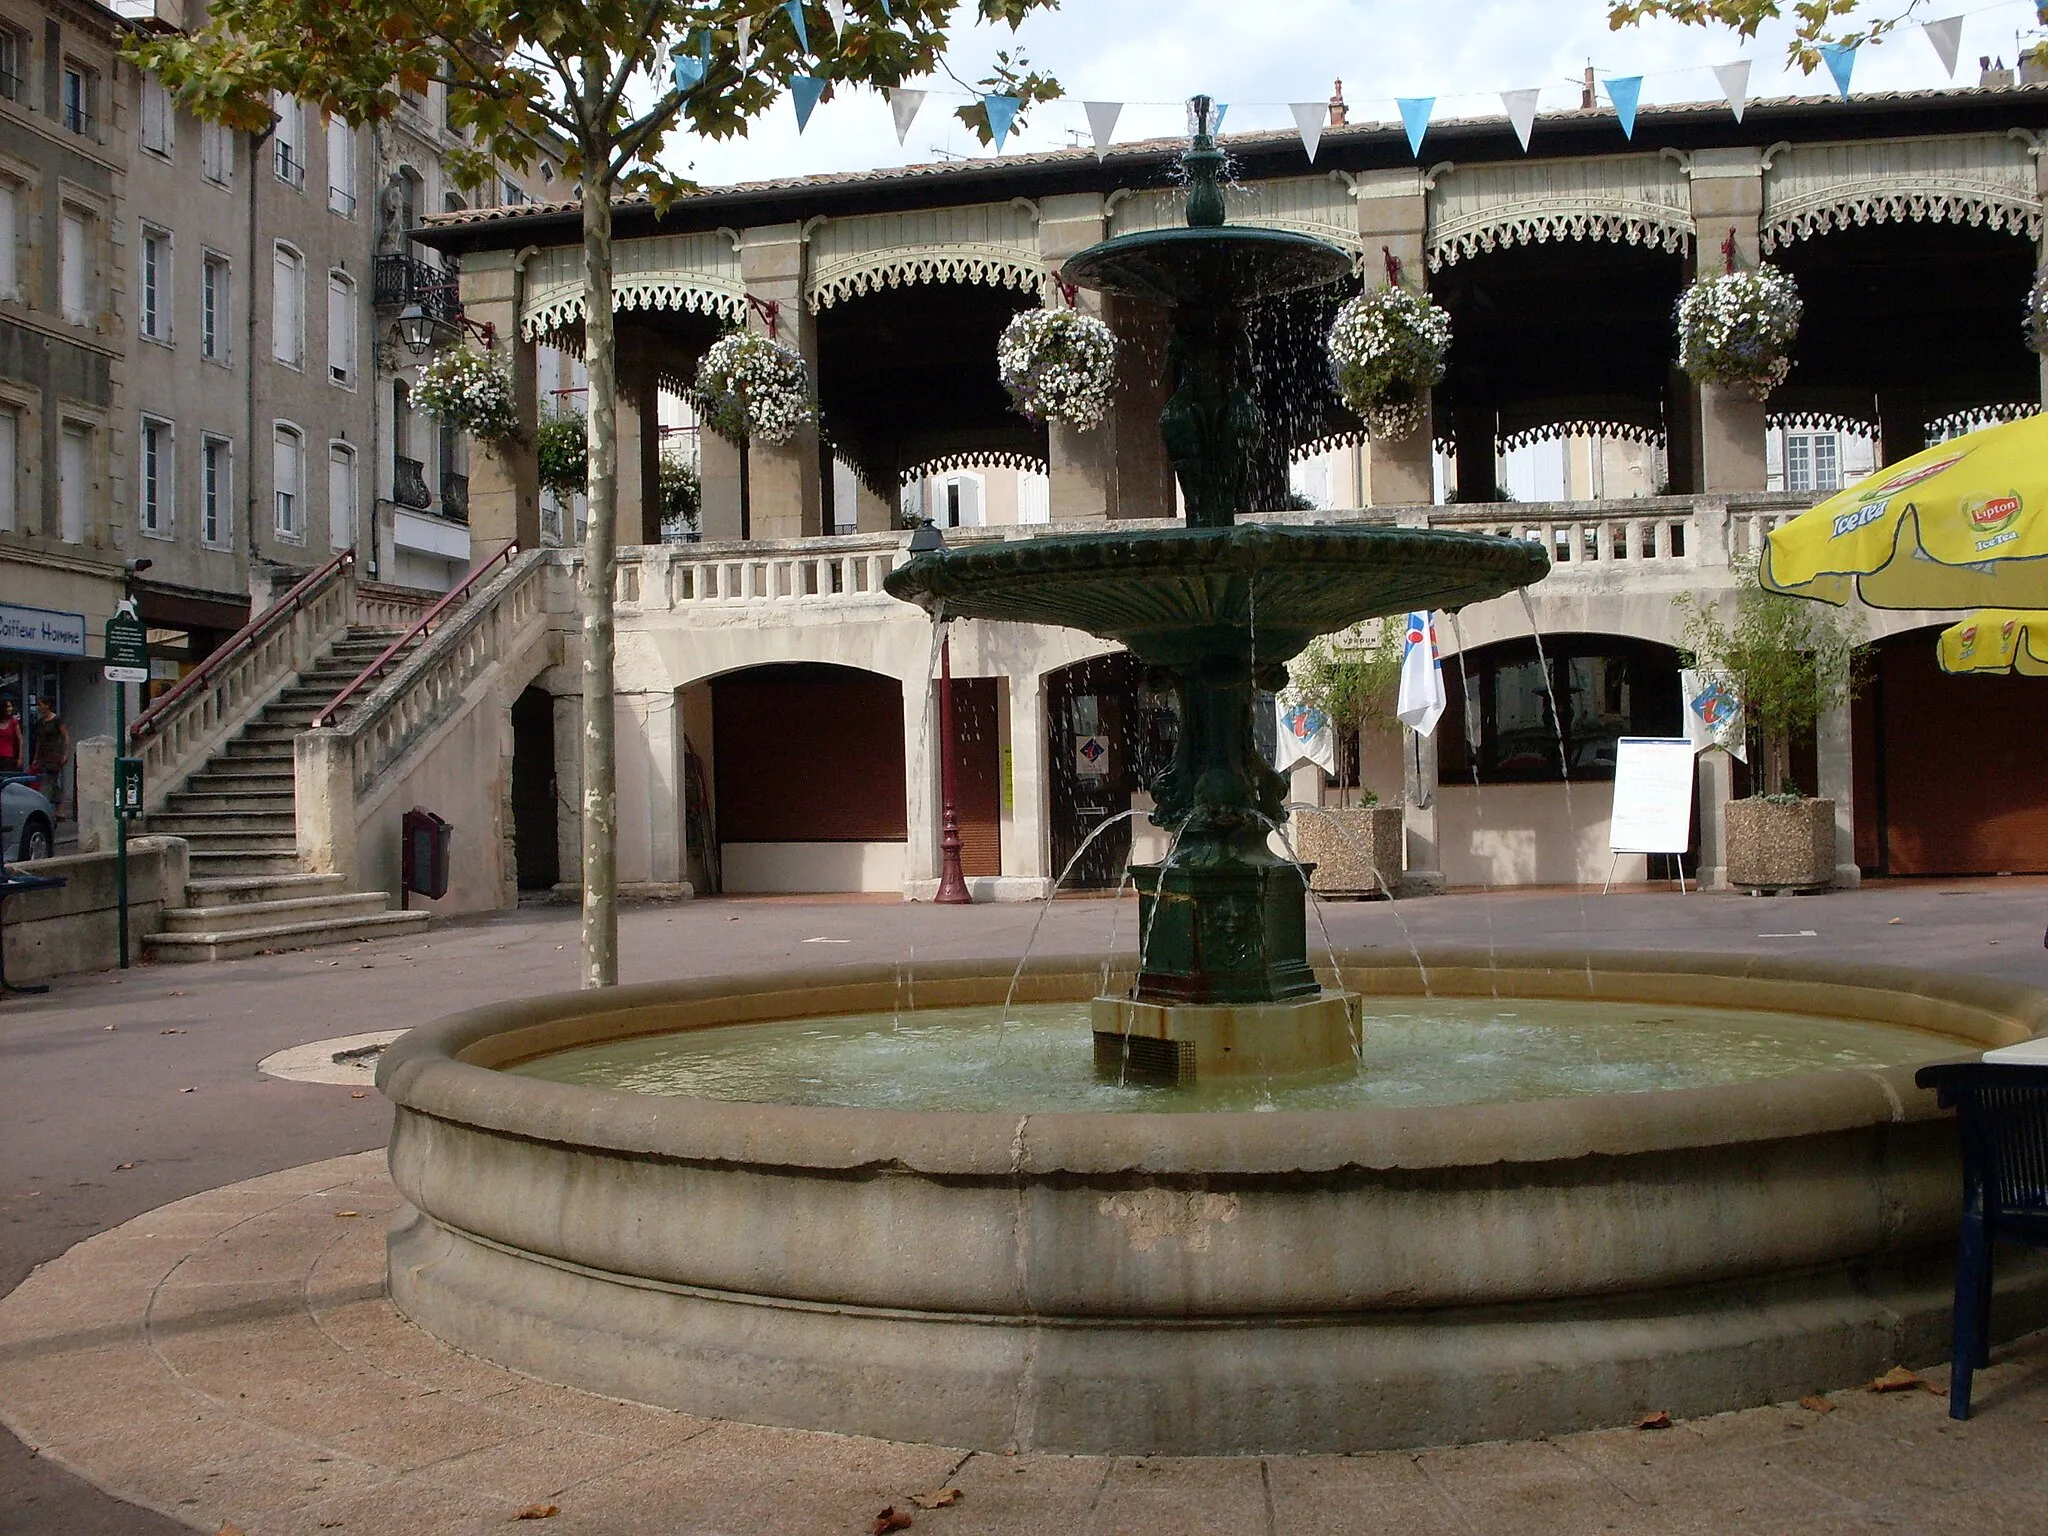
(1304, 736)
(1420, 702)
(1713, 714)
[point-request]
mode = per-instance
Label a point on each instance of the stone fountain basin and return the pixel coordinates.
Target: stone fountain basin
(1194, 1283)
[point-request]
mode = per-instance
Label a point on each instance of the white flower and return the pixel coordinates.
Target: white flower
(1386, 347)
(1737, 328)
(2036, 324)
(1058, 365)
(754, 390)
(473, 392)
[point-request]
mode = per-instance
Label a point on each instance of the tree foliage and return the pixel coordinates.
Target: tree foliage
(1815, 21)
(1354, 685)
(1789, 660)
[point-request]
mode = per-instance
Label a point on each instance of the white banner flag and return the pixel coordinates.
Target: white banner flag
(1303, 736)
(1309, 118)
(1734, 80)
(1947, 37)
(1713, 714)
(1420, 703)
(1102, 116)
(1521, 107)
(903, 107)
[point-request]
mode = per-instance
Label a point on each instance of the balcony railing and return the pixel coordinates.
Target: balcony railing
(290, 168)
(402, 280)
(455, 498)
(80, 121)
(409, 483)
(342, 201)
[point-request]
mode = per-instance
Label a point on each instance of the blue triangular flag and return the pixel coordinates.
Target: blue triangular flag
(1625, 91)
(887, 14)
(692, 68)
(796, 19)
(1840, 59)
(1216, 119)
(1415, 112)
(1002, 111)
(805, 90)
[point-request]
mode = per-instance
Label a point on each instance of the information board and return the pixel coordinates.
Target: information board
(1653, 779)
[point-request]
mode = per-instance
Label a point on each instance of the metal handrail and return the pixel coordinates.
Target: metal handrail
(449, 599)
(240, 641)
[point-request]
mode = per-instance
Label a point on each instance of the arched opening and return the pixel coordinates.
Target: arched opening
(535, 834)
(1948, 768)
(807, 777)
(1108, 735)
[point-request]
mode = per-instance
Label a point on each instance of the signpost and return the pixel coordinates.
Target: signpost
(1652, 799)
(127, 662)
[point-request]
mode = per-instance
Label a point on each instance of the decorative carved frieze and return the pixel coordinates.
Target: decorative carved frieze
(1636, 199)
(992, 243)
(1977, 179)
(699, 273)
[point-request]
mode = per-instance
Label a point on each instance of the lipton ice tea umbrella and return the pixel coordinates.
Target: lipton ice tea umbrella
(1959, 525)
(1997, 640)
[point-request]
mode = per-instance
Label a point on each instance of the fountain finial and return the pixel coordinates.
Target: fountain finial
(1203, 162)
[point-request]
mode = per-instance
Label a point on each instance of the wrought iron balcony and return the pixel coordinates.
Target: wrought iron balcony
(402, 280)
(409, 483)
(455, 497)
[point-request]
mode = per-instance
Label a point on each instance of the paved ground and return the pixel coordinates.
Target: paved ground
(155, 1068)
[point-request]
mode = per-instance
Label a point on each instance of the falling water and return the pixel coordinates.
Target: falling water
(1571, 817)
(1471, 722)
(1357, 847)
(906, 971)
(1045, 905)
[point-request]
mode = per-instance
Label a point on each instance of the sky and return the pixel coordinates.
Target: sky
(1260, 55)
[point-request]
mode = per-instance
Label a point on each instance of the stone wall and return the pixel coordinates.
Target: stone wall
(77, 928)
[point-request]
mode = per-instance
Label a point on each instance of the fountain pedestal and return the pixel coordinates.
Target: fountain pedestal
(1183, 1042)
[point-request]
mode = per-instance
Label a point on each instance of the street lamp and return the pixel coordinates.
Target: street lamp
(952, 879)
(416, 329)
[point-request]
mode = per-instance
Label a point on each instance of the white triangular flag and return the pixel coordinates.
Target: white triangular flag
(1102, 116)
(1734, 80)
(745, 29)
(836, 9)
(1521, 107)
(1947, 37)
(1309, 118)
(903, 107)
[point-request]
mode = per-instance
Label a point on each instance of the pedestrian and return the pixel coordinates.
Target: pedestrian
(10, 738)
(52, 751)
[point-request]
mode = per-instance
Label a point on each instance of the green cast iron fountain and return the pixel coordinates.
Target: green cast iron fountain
(1220, 608)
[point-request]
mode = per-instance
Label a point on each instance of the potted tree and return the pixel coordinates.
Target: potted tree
(1356, 847)
(1789, 661)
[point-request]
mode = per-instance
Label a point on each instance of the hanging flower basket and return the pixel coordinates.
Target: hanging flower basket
(1387, 347)
(471, 392)
(561, 448)
(1736, 329)
(751, 389)
(1058, 365)
(2037, 313)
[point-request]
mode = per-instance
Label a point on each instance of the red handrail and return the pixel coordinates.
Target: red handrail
(448, 599)
(239, 642)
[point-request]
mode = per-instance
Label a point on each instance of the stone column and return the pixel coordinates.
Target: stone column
(324, 798)
(504, 483)
(871, 513)
(1142, 482)
(784, 498)
(1728, 200)
(1026, 852)
(639, 418)
(1081, 465)
(1837, 768)
(94, 769)
(1393, 220)
(1715, 773)
(651, 723)
(1425, 873)
(719, 463)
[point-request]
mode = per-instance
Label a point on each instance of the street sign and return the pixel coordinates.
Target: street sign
(127, 646)
(127, 786)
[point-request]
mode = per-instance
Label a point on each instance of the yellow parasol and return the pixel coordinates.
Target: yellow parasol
(1997, 640)
(1959, 525)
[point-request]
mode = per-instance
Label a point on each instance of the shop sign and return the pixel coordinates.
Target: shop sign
(41, 630)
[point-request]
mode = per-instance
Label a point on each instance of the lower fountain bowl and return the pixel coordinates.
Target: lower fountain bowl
(1200, 1283)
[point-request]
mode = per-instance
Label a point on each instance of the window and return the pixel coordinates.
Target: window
(74, 277)
(214, 324)
(10, 466)
(288, 308)
(1813, 461)
(514, 193)
(960, 501)
(11, 209)
(216, 492)
(1507, 713)
(288, 475)
(341, 168)
(81, 99)
(341, 329)
(156, 284)
(159, 118)
(341, 495)
(159, 477)
(73, 455)
(216, 152)
(289, 137)
(13, 63)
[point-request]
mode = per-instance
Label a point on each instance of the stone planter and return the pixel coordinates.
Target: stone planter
(1774, 845)
(1356, 851)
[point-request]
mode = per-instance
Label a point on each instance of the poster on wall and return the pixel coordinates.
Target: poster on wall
(1091, 757)
(1653, 778)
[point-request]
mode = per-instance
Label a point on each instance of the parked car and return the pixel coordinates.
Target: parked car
(28, 822)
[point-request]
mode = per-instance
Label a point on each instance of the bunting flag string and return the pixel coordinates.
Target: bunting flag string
(903, 105)
(1734, 82)
(805, 91)
(836, 9)
(744, 30)
(803, 33)
(1521, 110)
(1415, 112)
(1840, 59)
(1002, 111)
(1102, 116)
(1309, 120)
(1947, 37)
(691, 68)
(1624, 91)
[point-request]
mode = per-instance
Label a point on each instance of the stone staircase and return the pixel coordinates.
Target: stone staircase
(238, 814)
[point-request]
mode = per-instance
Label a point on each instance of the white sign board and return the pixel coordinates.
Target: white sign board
(1652, 795)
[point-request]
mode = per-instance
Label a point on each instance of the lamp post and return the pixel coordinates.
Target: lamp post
(952, 879)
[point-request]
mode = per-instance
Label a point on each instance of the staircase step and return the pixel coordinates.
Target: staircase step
(207, 863)
(200, 802)
(213, 782)
(242, 915)
(232, 890)
(234, 943)
(213, 826)
(241, 752)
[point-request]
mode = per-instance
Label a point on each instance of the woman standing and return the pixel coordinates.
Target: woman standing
(10, 738)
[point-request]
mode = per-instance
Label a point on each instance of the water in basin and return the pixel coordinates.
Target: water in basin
(1415, 1052)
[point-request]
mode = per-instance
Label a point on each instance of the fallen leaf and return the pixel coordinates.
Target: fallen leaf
(892, 1518)
(532, 1511)
(339, 1214)
(122, 1167)
(232, 1529)
(1936, 1388)
(109, 1026)
(170, 1031)
(1816, 1405)
(177, 992)
(937, 1500)
(188, 1090)
(1658, 1420)
(1897, 1379)
(359, 1093)
(1897, 920)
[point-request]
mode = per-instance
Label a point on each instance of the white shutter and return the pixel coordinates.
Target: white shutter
(10, 427)
(71, 486)
(157, 116)
(341, 496)
(287, 309)
(71, 276)
(341, 328)
(341, 167)
(10, 213)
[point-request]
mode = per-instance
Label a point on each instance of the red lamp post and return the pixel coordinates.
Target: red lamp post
(952, 879)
